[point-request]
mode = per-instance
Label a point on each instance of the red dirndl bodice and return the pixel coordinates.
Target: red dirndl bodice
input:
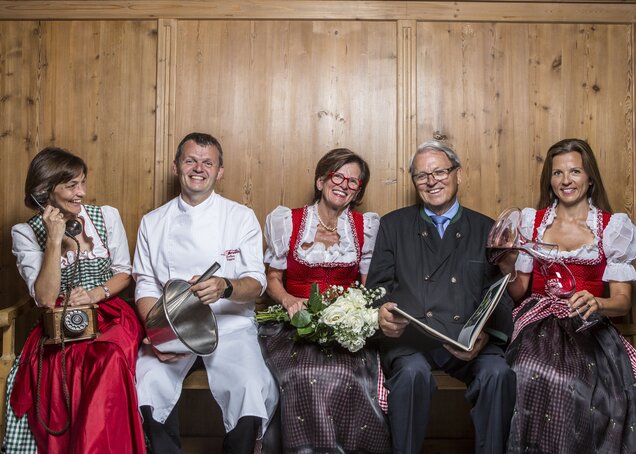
(588, 273)
(301, 274)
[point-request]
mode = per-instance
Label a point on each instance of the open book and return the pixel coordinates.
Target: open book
(468, 335)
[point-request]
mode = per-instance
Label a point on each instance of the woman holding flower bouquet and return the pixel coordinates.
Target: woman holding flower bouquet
(329, 394)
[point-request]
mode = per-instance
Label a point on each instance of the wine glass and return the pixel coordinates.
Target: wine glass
(505, 236)
(560, 282)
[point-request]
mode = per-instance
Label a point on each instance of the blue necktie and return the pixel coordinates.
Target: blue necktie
(439, 223)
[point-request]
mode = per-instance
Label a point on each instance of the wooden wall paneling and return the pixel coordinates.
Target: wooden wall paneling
(165, 141)
(20, 76)
(456, 98)
(546, 82)
(278, 95)
(407, 107)
(582, 88)
(98, 100)
(615, 11)
(513, 121)
(86, 86)
(608, 116)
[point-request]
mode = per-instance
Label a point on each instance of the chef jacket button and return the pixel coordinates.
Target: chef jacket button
(427, 277)
(429, 314)
(456, 317)
(458, 235)
(453, 279)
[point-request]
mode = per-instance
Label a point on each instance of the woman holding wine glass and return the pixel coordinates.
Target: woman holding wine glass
(575, 388)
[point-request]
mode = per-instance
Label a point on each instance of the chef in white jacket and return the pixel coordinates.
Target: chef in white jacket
(180, 240)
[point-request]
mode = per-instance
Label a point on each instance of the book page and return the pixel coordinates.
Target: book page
(472, 328)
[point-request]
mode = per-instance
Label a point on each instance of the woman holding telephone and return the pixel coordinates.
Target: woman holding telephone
(75, 383)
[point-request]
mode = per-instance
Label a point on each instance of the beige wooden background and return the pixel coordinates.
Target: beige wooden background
(282, 82)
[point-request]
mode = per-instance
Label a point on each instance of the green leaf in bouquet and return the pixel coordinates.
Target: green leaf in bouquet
(306, 331)
(301, 319)
(315, 303)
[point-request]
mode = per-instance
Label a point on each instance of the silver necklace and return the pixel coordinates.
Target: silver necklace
(324, 226)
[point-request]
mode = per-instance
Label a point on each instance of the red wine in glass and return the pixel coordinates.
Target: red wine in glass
(560, 282)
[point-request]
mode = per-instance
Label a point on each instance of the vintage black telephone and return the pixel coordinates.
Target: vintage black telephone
(62, 324)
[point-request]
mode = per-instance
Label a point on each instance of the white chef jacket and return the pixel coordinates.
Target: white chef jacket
(178, 241)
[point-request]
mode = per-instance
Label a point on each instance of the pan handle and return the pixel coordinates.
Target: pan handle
(208, 273)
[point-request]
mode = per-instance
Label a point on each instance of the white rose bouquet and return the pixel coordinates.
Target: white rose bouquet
(335, 315)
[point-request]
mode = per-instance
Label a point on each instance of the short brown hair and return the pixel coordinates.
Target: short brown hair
(596, 190)
(203, 140)
(50, 167)
(334, 160)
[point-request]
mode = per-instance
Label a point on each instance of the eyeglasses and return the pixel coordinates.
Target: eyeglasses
(352, 183)
(438, 175)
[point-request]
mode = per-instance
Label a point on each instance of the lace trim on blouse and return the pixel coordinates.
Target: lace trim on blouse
(98, 251)
(616, 241)
(278, 228)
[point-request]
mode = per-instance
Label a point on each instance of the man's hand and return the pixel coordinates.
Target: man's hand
(165, 357)
(208, 291)
(392, 325)
(481, 342)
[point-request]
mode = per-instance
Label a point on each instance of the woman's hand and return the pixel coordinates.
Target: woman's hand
(507, 261)
(583, 303)
(293, 305)
(80, 296)
(54, 223)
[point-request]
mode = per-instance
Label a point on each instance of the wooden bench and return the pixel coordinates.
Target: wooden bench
(197, 380)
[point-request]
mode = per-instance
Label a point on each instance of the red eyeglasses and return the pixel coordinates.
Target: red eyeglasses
(352, 183)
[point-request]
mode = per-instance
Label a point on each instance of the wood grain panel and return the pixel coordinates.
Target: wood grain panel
(504, 93)
(502, 11)
(99, 101)
(88, 87)
(278, 95)
(20, 73)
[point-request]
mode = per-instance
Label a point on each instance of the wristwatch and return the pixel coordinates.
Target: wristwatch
(228, 289)
(106, 292)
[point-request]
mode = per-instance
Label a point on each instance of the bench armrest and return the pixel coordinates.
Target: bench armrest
(626, 329)
(7, 324)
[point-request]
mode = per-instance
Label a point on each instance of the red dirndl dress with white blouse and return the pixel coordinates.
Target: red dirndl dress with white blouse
(576, 391)
(328, 395)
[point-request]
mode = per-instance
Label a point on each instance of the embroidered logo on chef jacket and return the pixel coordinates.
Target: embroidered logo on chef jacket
(230, 254)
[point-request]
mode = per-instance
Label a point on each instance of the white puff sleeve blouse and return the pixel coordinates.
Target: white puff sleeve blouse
(278, 229)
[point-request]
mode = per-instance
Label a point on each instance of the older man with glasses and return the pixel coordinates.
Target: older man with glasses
(431, 259)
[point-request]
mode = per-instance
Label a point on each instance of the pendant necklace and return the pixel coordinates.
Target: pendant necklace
(324, 226)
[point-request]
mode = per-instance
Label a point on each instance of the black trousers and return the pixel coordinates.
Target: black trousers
(164, 438)
(491, 389)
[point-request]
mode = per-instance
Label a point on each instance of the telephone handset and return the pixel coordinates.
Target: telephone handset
(73, 226)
